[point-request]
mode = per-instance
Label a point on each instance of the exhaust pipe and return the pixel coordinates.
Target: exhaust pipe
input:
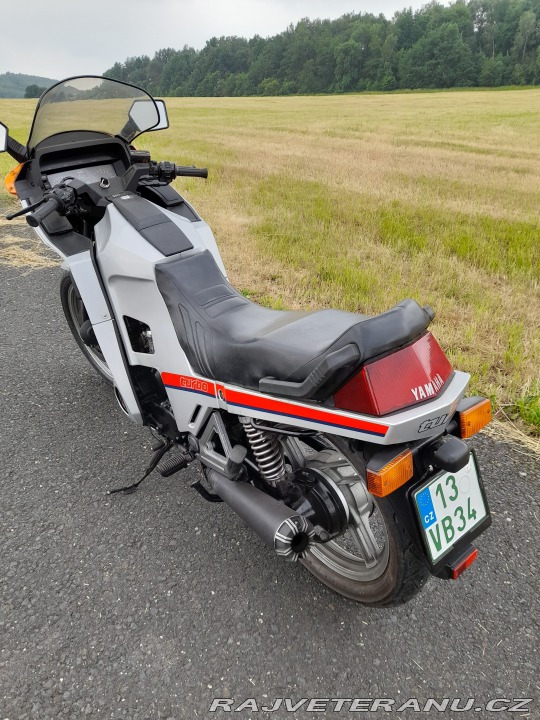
(281, 528)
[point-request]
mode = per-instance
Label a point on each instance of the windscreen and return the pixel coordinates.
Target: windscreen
(93, 104)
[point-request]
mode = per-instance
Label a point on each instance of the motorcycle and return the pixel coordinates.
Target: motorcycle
(339, 438)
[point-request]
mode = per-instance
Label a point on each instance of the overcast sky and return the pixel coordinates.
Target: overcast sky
(59, 38)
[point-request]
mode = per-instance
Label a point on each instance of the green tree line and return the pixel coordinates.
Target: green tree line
(34, 91)
(484, 43)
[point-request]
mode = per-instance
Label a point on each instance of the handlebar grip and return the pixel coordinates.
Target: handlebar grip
(38, 216)
(187, 171)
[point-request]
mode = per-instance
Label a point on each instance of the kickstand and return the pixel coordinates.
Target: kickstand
(160, 452)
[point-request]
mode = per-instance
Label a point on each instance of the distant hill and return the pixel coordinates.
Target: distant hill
(13, 85)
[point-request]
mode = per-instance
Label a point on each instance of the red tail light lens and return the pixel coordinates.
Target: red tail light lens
(407, 377)
(457, 570)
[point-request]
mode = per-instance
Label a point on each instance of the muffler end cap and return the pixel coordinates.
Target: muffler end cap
(293, 538)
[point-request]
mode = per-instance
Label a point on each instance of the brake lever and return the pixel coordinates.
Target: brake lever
(25, 210)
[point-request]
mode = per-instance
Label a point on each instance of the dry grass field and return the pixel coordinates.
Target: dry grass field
(360, 201)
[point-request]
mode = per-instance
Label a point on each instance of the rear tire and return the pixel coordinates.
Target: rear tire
(76, 315)
(398, 573)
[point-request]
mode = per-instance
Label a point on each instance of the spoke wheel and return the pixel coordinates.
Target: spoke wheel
(373, 561)
(76, 316)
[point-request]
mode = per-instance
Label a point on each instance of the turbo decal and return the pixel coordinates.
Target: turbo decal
(189, 384)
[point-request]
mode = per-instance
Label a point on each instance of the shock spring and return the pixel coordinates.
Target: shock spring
(267, 451)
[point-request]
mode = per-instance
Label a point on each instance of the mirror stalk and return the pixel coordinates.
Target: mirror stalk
(16, 150)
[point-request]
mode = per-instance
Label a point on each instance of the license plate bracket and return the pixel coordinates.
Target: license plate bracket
(451, 508)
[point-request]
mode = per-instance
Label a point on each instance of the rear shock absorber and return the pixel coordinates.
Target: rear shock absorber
(267, 451)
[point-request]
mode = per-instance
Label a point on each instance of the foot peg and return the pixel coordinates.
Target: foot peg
(173, 462)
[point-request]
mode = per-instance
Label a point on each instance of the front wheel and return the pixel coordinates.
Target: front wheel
(374, 562)
(76, 316)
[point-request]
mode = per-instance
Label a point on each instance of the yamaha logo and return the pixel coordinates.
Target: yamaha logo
(428, 389)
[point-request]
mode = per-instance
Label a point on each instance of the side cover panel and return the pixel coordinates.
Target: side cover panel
(127, 264)
(84, 274)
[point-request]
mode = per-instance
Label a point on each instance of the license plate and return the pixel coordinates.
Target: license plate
(449, 506)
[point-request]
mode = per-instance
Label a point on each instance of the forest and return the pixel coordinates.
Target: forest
(479, 43)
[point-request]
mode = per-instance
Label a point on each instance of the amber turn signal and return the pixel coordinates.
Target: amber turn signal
(474, 418)
(9, 182)
(392, 476)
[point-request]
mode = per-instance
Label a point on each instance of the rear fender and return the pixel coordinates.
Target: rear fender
(401, 502)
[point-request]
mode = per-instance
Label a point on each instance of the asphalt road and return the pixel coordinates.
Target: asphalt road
(150, 605)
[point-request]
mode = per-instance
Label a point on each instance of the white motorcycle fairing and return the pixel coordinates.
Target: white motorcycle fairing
(325, 431)
(127, 265)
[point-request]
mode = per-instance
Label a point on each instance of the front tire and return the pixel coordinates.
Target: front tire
(391, 570)
(76, 315)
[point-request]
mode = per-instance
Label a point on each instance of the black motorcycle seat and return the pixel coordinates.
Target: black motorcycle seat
(231, 339)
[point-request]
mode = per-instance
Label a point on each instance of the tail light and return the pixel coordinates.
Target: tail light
(462, 565)
(409, 376)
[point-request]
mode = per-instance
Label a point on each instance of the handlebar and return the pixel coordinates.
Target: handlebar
(168, 171)
(38, 216)
(60, 198)
(187, 171)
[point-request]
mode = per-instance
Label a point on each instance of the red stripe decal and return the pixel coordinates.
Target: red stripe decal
(265, 404)
(299, 411)
(187, 382)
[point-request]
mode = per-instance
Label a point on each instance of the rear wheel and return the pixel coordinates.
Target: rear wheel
(76, 316)
(373, 562)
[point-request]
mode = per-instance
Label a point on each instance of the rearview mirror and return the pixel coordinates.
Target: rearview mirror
(163, 123)
(3, 137)
(143, 114)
